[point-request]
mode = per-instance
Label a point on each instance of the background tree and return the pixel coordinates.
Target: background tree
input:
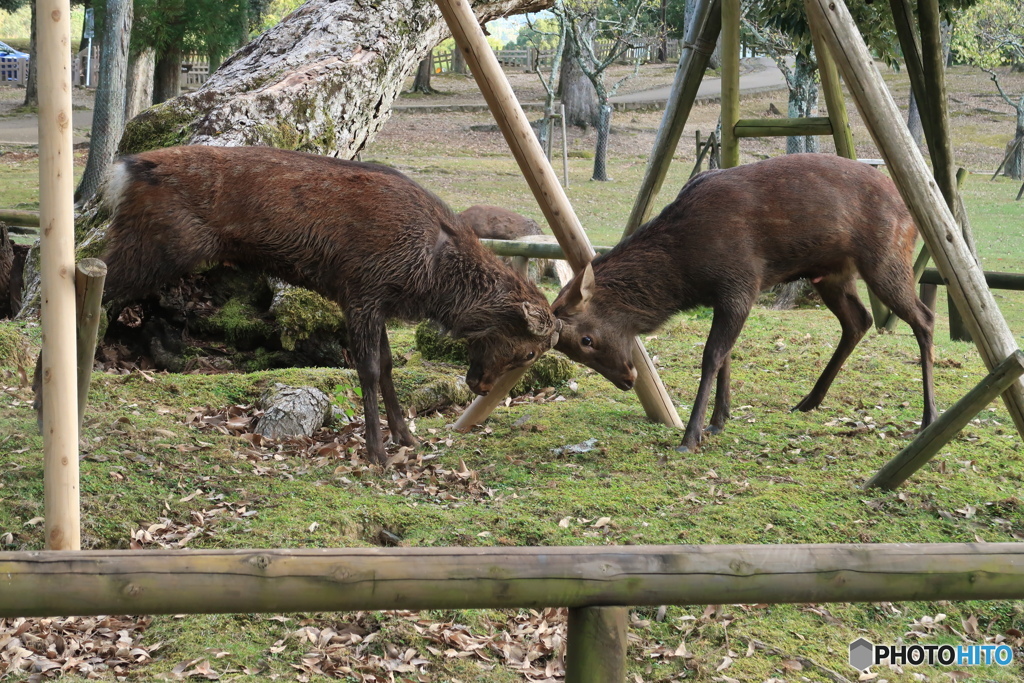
(172, 28)
(547, 34)
(990, 35)
(622, 24)
(109, 108)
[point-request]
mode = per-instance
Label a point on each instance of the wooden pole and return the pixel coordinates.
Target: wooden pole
(957, 264)
(596, 645)
(34, 583)
(89, 278)
(57, 256)
(780, 128)
(938, 433)
(536, 168)
(730, 82)
(701, 37)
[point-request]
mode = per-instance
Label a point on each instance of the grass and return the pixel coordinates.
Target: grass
(772, 477)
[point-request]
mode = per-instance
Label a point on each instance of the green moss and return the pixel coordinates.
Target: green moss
(239, 322)
(164, 125)
(437, 346)
(550, 369)
(301, 313)
(283, 135)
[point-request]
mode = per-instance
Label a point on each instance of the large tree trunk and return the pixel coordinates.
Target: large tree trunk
(459, 62)
(6, 271)
(167, 76)
(577, 92)
(140, 83)
(108, 111)
(323, 80)
(604, 129)
(1015, 164)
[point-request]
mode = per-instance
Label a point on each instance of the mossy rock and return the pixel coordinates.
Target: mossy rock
(550, 370)
(164, 125)
(240, 324)
(439, 394)
(433, 344)
(301, 314)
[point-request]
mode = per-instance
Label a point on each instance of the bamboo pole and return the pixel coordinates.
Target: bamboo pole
(994, 339)
(57, 256)
(780, 128)
(701, 36)
(596, 645)
(34, 583)
(938, 433)
(89, 278)
(730, 82)
(550, 196)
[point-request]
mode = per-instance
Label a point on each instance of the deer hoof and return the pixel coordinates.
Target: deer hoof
(713, 429)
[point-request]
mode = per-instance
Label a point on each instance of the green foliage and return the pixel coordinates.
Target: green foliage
(209, 27)
(276, 11)
(346, 395)
(541, 33)
(990, 34)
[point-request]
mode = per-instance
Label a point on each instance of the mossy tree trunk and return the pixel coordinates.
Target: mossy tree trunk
(323, 80)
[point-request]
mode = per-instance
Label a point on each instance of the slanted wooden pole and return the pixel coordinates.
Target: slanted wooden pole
(596, 645)
(701, 37)
(536, 168)
(955, 261)
(939, 433)
(57, 256)
(89, 278)
(730, 82)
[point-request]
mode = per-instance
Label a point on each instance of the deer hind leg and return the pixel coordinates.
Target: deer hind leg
(720, 414)
(396, 421)
(896, 290)
(840, 295)
(725, 328)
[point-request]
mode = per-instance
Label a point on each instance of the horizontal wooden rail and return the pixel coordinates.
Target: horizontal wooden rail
(780, 128)
(993, 278)
(45, 583)
(28, 219)
(930, 276)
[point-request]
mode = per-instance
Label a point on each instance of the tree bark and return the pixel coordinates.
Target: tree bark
(293, 411)
(167, 76)
(6, 271)
(31, 82)
(604, 129)
(577, 92)
(459, 62)
(323, 80)
(108, 112)
(803, 102)
(914, 121)
(141, 66)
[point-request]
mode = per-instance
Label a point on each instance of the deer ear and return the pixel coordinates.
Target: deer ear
(580, 292)
(539, 320)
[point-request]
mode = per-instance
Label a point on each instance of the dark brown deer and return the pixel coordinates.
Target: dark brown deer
(360, 234)
(728, 235)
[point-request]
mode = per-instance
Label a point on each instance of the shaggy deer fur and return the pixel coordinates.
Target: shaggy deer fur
(362, 235)
(732, 233)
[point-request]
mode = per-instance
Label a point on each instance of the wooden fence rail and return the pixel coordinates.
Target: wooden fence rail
(46, 583)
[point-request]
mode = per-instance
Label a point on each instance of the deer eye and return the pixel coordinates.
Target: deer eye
(587, 341)
(530, 355)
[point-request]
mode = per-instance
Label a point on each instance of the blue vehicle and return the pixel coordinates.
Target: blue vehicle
(12, 63)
